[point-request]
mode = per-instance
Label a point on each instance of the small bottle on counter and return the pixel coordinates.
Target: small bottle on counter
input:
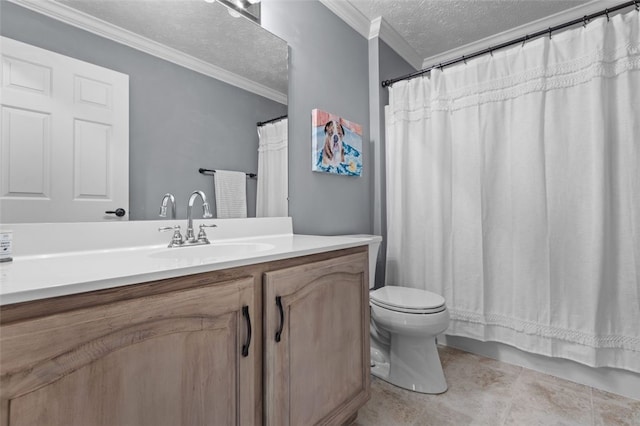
(5, 246)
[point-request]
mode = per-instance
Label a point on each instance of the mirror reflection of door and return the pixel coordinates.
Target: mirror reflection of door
(64, 138)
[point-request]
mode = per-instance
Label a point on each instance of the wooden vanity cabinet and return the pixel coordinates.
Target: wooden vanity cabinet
(316, 341)
(172, 352)
(168, 359)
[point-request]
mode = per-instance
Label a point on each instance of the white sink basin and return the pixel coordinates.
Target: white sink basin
(211, 252)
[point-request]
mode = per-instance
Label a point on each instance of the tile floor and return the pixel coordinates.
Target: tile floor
(483, 391)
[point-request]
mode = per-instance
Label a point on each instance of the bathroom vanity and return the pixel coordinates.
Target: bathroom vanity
(275, 336)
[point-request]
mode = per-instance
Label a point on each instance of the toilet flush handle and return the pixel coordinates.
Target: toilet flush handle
(279, 305)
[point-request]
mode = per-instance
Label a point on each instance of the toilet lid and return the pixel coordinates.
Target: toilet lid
(406, 299)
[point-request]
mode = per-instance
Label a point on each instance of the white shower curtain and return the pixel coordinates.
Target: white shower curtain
(513, 189)
(273, 176)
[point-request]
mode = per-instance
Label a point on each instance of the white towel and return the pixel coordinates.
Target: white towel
(231, 194)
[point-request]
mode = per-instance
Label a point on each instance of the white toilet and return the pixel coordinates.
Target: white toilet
(404, 325)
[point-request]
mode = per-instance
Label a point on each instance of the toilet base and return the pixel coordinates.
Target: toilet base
(380, 370)
(419, 369)
(379, 364)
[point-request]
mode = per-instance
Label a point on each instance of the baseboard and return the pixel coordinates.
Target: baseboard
(614, 380)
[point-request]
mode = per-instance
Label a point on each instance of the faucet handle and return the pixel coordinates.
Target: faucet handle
(202, 236)
(176, 240)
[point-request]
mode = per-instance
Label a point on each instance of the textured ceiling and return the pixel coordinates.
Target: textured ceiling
(432, 27)
(203, 30)
(207, 32)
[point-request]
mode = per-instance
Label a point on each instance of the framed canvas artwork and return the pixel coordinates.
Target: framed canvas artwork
(336, 144)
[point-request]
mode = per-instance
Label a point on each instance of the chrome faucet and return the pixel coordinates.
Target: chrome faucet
(206, 213)
(168, 198)
(189, 238)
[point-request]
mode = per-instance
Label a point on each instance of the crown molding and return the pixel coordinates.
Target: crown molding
(372, 29)
(128, 38)
(382, 29)
(350, 15)
(517, 32)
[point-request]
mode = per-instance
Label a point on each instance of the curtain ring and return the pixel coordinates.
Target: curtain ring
(584, 21)
(491, 51)
(637, 3)
(464, 60)
(525, 39)
(440, 66)
(606, 12)
(550, 33)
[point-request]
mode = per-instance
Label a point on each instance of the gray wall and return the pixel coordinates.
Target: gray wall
(328, 69)
(180, 120)
(384, 64)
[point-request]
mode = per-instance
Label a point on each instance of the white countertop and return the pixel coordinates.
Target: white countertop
(44, 275)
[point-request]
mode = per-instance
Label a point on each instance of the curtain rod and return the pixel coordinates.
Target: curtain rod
(584, 20)
(262, 123)
(211, 172)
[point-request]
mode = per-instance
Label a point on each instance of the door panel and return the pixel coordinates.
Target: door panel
(92, 150)
(27, 76)
(26, 140)
(70, 162)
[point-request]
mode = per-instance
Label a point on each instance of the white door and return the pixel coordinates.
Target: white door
(64, 152)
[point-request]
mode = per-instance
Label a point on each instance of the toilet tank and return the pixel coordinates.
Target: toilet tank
(374, 246)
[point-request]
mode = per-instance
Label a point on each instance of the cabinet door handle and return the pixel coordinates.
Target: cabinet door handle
(245, 347)
(279, 304)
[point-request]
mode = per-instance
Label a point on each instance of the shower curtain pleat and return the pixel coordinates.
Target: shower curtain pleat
(513, 189)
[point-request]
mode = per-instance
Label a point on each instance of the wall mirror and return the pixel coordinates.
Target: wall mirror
(200, 79)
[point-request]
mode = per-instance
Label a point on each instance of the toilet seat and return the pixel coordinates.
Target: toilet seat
(407, 300)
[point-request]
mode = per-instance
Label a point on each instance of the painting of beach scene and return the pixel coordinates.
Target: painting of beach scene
(336, 144)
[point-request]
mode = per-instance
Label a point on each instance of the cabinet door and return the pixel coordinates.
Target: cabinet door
(168, 359)
(317, 368)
